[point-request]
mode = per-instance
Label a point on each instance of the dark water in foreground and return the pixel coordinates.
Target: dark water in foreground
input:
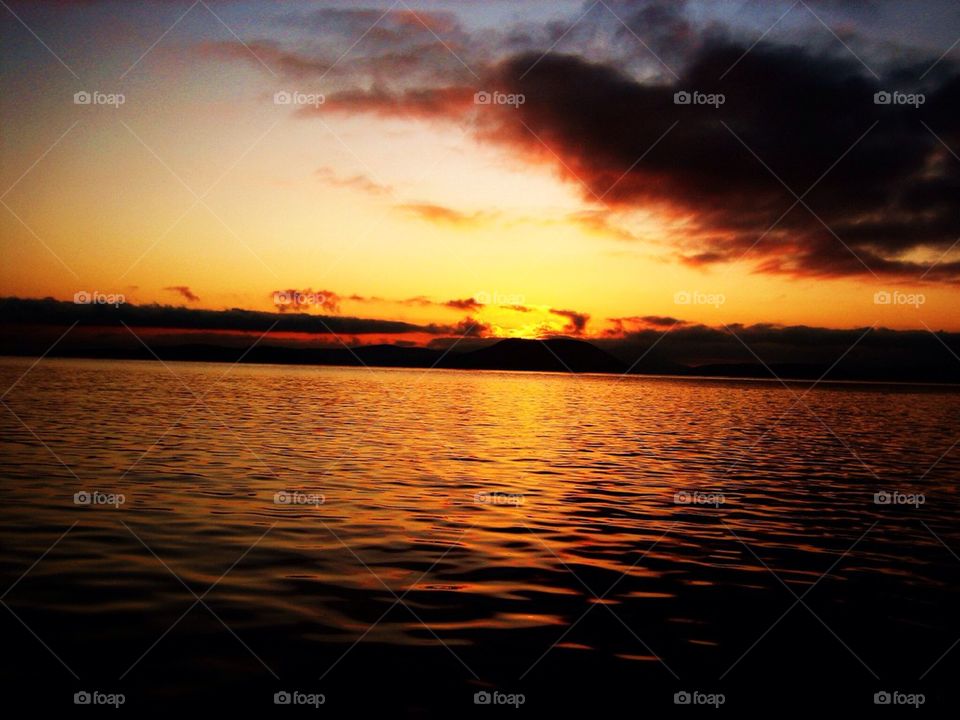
(446, 533)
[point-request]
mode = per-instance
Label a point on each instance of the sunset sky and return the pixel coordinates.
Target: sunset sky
(590, 209)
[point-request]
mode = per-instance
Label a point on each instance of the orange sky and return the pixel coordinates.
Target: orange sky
(199, 180)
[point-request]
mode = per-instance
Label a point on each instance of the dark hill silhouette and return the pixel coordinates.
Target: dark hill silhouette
(556, 354)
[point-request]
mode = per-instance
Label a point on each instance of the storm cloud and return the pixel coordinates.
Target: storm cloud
(794, 161)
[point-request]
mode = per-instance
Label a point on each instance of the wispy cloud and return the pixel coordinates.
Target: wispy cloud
(360, 182)
(184, 291)
(444, 215)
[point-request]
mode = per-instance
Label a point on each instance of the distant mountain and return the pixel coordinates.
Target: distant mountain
(554, 355)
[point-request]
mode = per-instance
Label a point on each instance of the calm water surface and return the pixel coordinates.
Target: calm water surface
(407, 538)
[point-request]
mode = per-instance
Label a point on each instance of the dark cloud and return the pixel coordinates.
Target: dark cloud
(290, 318)
(890, 196)
(660, 321)
(464, 304)
(468, 327)
(469, 304)
(417, 300)
(185, 291)
(293, 300)
(20, 311)
(663, 25)
(625, 325)
(576, 321)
